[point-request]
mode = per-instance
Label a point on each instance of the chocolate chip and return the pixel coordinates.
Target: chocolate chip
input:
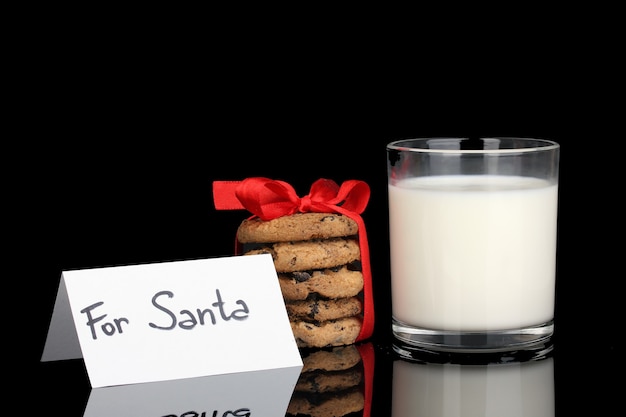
(314, 310)
(355, 266)
(301, 276)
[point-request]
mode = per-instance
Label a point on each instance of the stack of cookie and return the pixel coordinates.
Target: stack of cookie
(330, 383)
(317, 258)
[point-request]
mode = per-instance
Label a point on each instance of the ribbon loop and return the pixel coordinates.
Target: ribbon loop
(267, 198)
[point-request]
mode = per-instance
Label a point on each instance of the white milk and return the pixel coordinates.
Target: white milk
(473, 252)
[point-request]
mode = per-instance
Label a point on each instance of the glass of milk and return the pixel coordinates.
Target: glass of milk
(473, 234)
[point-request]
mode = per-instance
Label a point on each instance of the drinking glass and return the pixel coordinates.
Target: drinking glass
(473, 237)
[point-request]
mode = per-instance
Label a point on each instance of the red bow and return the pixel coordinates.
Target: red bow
(269, 199)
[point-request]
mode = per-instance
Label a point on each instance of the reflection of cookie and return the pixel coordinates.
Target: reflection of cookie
(333, 359)
(333, 404)
(321, 382)
(330, 383)
(321, 310)
(328, 333)
(310, 254)
(329, 283)
(299, 226)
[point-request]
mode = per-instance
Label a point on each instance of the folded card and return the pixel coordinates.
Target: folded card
(172, 320)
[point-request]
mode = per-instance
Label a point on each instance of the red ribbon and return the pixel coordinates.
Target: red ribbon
(368, 357)
(268, 199)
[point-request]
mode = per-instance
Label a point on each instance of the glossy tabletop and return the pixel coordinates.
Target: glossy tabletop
(547, 380)
(111, 204)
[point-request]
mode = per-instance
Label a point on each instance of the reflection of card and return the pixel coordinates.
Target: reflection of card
(172, 320)
(260, 393)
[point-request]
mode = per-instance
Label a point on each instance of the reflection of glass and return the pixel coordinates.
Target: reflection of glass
(263, 393)
(505, 386)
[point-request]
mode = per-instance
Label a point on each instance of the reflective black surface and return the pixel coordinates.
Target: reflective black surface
(546, 381)
(129, 182)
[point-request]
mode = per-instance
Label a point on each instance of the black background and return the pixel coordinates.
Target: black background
(118, 149)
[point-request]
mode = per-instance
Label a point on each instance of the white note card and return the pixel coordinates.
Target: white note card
(172, 320)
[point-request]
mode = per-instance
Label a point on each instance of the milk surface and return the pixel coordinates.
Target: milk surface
(473, 252)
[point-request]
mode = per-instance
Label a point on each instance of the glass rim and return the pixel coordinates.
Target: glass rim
(539, 145)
